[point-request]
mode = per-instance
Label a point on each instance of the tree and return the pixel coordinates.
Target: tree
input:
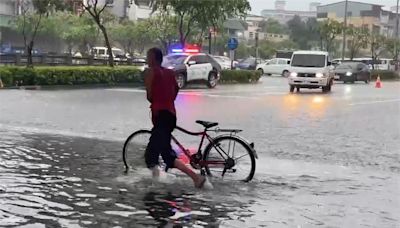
(303, 33)
(30, 21)
(164, 27)
(358, 38)
(201, 14)
(390, 46)
(96, 12)
(273, 26)
(376, 42)
(329, 30)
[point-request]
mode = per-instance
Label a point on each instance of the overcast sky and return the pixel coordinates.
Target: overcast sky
(258, 5)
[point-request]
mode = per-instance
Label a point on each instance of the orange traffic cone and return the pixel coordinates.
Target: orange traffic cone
(378, 83)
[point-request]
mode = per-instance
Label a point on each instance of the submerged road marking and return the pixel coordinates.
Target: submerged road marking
(375, 102)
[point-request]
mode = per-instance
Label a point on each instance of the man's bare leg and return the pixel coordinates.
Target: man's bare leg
(197, 179)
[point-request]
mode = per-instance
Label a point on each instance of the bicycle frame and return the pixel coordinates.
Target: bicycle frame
(204, 135)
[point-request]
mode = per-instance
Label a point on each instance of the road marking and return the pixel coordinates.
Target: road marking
(375, 102)
(129, 90)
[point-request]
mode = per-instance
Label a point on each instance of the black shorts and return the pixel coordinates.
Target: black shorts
(160, 140)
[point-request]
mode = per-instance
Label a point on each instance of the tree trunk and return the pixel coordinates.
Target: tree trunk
(30, 59)
(108, 45)
(181, 35)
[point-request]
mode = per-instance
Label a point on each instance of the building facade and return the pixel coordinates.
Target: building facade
(283, 16)
(365, 15)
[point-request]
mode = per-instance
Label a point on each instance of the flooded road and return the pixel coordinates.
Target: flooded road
(325, 160)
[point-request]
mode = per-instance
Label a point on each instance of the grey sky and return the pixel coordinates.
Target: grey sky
(258, 5)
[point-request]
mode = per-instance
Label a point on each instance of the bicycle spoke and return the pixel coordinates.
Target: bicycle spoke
(236, 159)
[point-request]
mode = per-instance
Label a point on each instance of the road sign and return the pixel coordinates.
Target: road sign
(233, 43)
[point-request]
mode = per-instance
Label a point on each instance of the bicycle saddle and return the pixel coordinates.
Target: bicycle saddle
(207, 124)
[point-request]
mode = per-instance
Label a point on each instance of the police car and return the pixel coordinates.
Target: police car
(193, 67)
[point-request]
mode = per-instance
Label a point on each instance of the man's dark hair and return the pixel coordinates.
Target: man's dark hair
(158, 55)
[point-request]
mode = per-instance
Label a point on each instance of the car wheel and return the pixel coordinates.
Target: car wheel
(181, 80)
(212, 79)
(285, 73)
(292, 89)
(298, 89)
(261, 71)
(328, 88)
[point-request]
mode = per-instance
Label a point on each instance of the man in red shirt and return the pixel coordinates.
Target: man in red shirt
(162, 89)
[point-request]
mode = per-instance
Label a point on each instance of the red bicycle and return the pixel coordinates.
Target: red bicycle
(227, 155)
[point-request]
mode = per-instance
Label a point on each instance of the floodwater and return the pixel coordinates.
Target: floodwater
(324, 160)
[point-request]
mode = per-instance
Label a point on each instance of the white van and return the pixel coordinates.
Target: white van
(102, 53)
(312, 70)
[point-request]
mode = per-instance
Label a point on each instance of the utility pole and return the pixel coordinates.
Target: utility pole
(397, 35)
(209, 40)
(344, 31)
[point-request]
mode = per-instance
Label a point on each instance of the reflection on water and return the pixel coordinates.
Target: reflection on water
(49, 181)
(72, 182)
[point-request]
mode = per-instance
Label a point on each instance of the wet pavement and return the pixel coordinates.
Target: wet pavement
(326, 160)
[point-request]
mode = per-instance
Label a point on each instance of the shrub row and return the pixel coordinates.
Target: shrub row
(21, 76)
(76, 75)
(385, 75)
(240, 76)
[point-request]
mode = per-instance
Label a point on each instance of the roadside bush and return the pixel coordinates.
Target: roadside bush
(385, 75)
(68, 75)
(240, 76)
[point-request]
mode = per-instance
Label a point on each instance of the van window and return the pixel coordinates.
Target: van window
(101, 51)
(308, 60)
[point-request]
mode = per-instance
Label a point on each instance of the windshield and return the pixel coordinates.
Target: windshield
(174, 59)
(307, 60)
(249, 61)
(346, 66)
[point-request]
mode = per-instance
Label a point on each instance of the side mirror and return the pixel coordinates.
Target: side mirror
(191, 63)
(329, 63)
(288, 62)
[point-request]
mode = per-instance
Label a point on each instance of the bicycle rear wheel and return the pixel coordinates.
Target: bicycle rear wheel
(231, 158)
(134, 149)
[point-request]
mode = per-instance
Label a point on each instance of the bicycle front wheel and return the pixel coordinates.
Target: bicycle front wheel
(231, 158)
(134, 149)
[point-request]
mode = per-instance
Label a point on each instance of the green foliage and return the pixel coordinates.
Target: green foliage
(69, 75)
(163, 26)
(376, 42)
(329, 30)
(385, 75)
(358, 38)
(240, 76)
(202, 14)
(133, 36)
(273, 26)
(303, 33)
(390, 46)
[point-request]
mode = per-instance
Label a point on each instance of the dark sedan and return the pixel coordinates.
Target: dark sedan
(352, 72)
(248, 64)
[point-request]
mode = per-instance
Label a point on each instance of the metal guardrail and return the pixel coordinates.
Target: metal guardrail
(63, 60)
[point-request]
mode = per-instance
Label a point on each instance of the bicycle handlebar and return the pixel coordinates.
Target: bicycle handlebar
(235, 131)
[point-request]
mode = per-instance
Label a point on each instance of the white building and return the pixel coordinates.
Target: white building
(283, 16)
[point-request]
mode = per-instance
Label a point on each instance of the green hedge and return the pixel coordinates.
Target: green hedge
(385, 75)
(69, 75)
(240, 76)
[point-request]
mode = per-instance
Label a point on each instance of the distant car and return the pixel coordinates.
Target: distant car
(352, 72)
(278, 66)
(225, 62)
(248, 64)
(190, 67)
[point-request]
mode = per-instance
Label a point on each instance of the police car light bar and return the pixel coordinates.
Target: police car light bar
(192, 50)
(177, 50)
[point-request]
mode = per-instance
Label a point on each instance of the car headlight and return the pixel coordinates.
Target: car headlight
(348, 73)
(319, 75)
(293, 74)
(170, 67)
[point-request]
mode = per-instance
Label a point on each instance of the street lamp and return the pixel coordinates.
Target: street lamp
(344, 31)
